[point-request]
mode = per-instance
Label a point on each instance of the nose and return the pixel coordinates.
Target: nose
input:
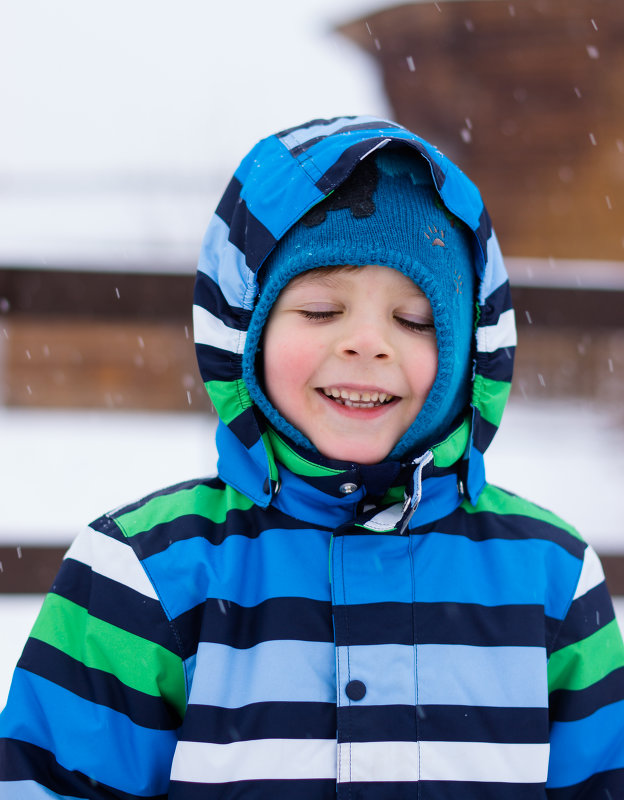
(366, 339)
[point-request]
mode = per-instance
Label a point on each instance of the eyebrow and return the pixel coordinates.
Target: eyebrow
(330, 276)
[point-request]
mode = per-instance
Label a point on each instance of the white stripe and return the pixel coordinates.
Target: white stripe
(487, 762)
(111, 559)
(377, 761)
(442, 761)
(493, 337)
(209, 329)
(591, 574)
(259, 759)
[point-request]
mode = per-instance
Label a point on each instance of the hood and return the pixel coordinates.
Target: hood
(281, 178)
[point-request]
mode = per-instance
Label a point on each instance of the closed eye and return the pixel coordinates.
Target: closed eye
(413, 325)
(317, 314)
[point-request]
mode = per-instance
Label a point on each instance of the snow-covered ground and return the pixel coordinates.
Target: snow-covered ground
(59, 470)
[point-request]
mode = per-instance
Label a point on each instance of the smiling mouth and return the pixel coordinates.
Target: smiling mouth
(354, 399)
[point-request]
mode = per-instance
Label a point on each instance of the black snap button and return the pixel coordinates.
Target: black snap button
(355, 690)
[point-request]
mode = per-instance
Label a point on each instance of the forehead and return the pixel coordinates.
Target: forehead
(339, 276)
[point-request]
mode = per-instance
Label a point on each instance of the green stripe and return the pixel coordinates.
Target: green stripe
(584, 663)
(490, 397)
(295, 462)
(203, 501)
(498, 501)
(136, 662)
(230, 398)
(453, 447)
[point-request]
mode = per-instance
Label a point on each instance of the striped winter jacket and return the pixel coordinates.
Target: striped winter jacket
(297, 629)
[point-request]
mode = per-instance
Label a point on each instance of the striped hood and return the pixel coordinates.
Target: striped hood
(275, 185)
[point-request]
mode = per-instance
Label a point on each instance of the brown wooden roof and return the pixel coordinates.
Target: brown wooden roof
(528, 97)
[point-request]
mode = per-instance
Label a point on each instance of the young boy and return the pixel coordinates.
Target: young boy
(349, 608)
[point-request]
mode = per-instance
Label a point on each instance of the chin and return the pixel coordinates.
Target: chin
(354, 455)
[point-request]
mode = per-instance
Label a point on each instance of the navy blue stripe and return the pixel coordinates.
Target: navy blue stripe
(443, 724)
(248, 523)
(259, 721)
(21, 761)
(362, 126)
(246, 427)
(469, 790)
(114, 603)
(608, 785)
(346, 163)
(482, 431)
(568, 705)
(498, 302)
(483, 525)
(283, 618)
(484, 231)
(587, 615)
(208, 295)
(218, 365)
(261, 790)
(97, 686)
(439, 790)
(497, 366)
(250, 236)
(313, 123)
(445, 623)
(229, 201)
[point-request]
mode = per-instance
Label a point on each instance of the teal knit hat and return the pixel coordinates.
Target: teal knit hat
(388, 213)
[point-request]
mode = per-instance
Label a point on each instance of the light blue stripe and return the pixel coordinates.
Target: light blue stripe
(495, 271)
(507, 677)
(30, 790)
(109, 749)
(288, 671)
(302, 135)
(278, 563)
(584, 747)
(450, 568)
(225, 264)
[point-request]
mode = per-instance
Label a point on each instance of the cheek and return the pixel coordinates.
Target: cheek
(287, 364)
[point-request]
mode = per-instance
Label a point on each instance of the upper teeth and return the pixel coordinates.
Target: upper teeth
(353, 396)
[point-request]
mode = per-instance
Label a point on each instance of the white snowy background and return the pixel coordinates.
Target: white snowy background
(122, 121)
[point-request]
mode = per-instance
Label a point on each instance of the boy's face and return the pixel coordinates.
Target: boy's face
(350, 355)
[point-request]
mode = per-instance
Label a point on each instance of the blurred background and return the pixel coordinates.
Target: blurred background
(122, 123)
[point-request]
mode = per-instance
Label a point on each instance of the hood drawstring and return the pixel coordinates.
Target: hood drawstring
(413, 499)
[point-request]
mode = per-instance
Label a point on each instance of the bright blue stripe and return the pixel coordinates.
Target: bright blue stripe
(276, 671)
(110, 748)
(460, 195)
(278, 563)
(453, 569)
(506, 677)
(30, 790)
(581, 748)
(270, 165)
(225, 264)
